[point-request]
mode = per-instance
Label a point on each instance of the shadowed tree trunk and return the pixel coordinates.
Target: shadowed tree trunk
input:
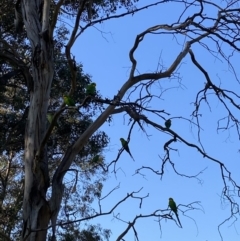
(35, 16)
(36, 212)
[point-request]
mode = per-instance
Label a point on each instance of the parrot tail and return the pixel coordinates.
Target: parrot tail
(131, 155)
(179, 220)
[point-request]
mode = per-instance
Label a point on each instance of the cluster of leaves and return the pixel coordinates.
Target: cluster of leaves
(91, 233)
(11, 195)
(98, 8)
(14, 107)
(84, 178)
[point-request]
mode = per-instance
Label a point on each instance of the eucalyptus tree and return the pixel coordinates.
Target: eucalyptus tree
(30, 57)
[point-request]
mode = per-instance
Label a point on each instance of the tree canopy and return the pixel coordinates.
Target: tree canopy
(53, 147)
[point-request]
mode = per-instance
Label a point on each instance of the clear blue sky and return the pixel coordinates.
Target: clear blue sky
(104, 56)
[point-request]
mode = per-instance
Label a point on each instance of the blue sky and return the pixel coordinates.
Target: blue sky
(103, 50)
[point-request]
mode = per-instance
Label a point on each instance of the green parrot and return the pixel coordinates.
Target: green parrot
(168, 123)
(97, 159)
(173, 207)
(126, 147)
(91, 89)
(50, 119)
(68, 100)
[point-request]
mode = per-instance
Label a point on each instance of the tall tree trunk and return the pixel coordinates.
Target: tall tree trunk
(36, 211)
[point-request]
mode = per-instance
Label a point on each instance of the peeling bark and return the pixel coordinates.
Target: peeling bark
(36, 211)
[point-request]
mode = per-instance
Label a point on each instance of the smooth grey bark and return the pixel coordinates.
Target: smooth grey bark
(36, 212)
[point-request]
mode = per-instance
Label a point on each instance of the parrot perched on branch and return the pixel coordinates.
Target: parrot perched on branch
(97, 159)
(126, 147)
(91, 89)
(68, 100)
(173, 207)
(168, 123)
(50, 119)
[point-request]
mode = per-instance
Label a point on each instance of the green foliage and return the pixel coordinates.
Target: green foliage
(11, 194)
(15, 65)
(91, 233)
(100, 8)
(14, 108)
